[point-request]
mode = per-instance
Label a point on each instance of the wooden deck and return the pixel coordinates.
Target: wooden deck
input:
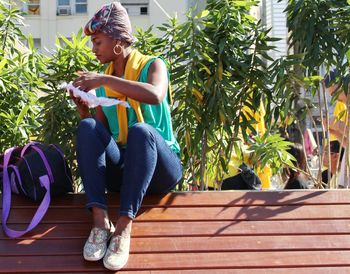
(195, 232)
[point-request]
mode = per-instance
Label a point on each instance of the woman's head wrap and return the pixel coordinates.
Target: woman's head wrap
(113, 20)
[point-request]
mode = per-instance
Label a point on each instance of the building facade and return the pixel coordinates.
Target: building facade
(46, 19)
(273, 17)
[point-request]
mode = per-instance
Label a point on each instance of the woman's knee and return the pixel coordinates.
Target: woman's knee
(86, 125)
(140, 131)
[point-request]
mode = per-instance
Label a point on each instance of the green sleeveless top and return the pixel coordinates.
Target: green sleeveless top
(157, 116)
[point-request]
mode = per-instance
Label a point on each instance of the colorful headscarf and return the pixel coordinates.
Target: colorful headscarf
(113, 20)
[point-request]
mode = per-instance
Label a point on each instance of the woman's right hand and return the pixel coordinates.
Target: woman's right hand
(82, 107)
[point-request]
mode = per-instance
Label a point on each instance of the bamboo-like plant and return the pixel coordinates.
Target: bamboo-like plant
(319, 31)
(217, 69)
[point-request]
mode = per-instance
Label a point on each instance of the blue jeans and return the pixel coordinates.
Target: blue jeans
(146, 165)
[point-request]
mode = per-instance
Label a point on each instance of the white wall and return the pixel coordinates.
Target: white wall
(171, 7)
(276, 19)
(47, 25)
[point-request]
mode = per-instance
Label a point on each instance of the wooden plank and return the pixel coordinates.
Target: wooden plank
(211, 232)
(248, 213)
(299, 270)
(212, 228)
(179, 261)
(306, 212)
(58, 247)
(22, 215)
(212, 198)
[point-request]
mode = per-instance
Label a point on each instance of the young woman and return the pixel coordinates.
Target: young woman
(129, 150)
(297, 179)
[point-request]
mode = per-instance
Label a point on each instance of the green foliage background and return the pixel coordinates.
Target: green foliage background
(32, 104)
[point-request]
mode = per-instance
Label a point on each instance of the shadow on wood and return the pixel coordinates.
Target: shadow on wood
(194, 232)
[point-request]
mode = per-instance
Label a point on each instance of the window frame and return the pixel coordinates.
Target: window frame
(27, 6)
(80, 3)
(73, 7)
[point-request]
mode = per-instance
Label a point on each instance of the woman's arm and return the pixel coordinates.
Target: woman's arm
(100, 116)
(152, 92)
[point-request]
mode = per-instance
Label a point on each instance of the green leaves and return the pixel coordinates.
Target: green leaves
(31, 104)
(19, 80)
(216, 67)
(58, 118)
(269, 150)
(317, 30)
(202, 14)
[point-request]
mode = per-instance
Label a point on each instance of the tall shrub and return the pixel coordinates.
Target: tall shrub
(217, 68)
(20, 69)
(58, 117)
(319, 31)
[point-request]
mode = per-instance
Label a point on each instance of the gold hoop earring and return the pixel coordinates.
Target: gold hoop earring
(119, 47)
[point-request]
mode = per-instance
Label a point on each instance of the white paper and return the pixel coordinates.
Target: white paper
(91, 99)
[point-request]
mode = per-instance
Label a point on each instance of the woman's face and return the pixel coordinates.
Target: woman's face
(102, 47)
(334, 159)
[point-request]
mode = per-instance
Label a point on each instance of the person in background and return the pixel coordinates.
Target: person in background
(337, 127)
(246, 179)
(240, 175)
(338, 121)
(296, 178)
(336, 151)
(128, 150)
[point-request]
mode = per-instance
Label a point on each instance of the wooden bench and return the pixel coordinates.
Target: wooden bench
(195, 232)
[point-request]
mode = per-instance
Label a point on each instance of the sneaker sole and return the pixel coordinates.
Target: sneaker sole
(113, 268)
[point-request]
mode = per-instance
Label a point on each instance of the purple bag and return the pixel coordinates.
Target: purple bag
(37, 171)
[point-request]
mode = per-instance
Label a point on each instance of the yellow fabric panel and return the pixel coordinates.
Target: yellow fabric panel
(340, 113)
(236, 161)
(258, 117)
(265, 177)
(266, 173)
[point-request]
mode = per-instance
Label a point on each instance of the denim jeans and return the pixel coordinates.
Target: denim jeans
(146, 165)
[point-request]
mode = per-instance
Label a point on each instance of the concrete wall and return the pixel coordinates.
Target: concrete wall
(47, 25)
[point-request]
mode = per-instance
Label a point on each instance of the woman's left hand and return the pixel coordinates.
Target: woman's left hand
(88, 81)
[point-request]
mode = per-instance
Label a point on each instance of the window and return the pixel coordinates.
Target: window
(63, 2)
(37, 43)
(144, 10)
(32, 7)
(136, 7)
(71, 7)
(80, 6)
(63, 7)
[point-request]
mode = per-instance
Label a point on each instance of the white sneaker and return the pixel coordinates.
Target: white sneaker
(117, 254)
(96, 245)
